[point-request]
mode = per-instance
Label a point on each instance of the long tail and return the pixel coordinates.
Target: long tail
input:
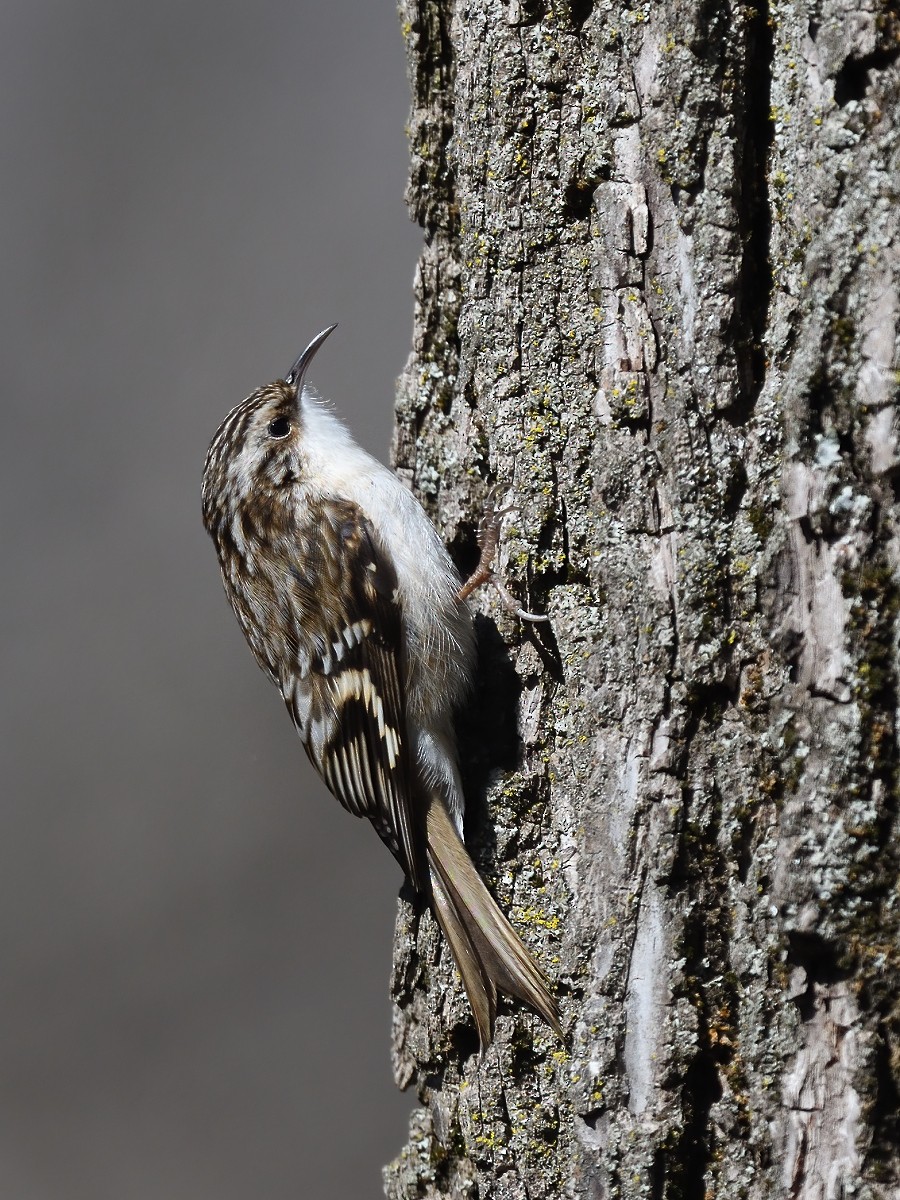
(488, 951)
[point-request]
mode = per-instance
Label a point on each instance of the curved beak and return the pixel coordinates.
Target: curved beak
(294, 377)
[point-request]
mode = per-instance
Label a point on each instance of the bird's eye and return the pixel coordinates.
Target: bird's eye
(279, 428)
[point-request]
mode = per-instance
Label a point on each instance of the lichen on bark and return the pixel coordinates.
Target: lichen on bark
(657, 310)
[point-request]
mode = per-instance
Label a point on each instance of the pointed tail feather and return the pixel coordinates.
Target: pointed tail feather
(488, 951)
(479, 986)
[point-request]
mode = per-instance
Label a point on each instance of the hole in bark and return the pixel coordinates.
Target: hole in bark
(533, 11)
(817, 956)
(464, 1039)
(854, 78)
(578, 200)
(851, 82)
(579, 11)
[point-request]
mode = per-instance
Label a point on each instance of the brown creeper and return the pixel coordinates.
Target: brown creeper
(351, 606)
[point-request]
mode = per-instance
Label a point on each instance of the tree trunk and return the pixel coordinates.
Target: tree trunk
(657, 309)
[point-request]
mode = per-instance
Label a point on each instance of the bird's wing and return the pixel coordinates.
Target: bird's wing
(346, 698)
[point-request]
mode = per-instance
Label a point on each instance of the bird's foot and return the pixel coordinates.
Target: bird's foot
(488, 541)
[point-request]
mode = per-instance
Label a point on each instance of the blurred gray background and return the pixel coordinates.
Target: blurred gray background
(194, 938)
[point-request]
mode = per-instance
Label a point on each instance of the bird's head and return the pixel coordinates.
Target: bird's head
(258, 448)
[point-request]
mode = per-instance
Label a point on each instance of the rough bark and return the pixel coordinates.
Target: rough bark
(657, 308)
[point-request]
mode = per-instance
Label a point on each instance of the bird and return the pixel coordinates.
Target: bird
(353, 608)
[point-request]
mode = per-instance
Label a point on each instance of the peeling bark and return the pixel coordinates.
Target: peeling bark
(657, 310)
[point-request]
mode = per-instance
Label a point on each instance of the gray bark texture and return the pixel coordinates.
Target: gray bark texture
(657, 311)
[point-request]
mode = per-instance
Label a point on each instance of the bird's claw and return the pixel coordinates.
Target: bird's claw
(488, 542)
